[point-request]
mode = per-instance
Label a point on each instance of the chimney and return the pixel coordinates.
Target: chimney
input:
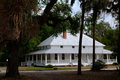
(65, 35)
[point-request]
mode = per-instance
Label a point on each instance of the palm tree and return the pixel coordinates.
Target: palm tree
(80, 38)
(16, 15)
(81, 34)
(18, 11)
(96, 6)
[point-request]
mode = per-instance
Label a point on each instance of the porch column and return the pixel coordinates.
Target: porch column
(87, 57)
(107, 58)
(70, 58)
(45, 58)
(97, 56)
(41, 58)
(116, 59)
(58, 58)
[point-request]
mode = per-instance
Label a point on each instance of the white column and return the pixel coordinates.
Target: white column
(58, 58)
(70, 58)
(87, 58)
(107, 58)
(96, 56)
(41, 58)
(45, 58)
(116, 59)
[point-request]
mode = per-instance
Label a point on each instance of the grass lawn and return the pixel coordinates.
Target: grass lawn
(58, 68)
(54, 68)
(68, 74)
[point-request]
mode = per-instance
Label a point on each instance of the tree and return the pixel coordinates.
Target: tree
(114, 8)
(80, 38)
(22, 25)
(16, 18)
(110, 40)
(96, 6)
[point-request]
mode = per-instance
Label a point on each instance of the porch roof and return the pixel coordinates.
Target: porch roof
(69, 51)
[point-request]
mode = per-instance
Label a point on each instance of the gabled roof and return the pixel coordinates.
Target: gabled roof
(70, 40)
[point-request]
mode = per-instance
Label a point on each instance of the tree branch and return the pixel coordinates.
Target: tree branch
(44, 18)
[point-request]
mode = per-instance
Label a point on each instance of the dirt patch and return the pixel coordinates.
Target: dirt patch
(67, 75)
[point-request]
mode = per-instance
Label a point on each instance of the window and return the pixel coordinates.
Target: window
(72, 56)
(34, 57)
(55, 56)
(63, 56)
(39, 57)
(46, 47)
(27, 57)
(30, 57)
(61, 46)
(48, 56)
(41, 47)
(104, 56)
(83, 46)
(73, 46)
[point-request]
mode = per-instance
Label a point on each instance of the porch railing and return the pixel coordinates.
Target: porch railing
(66, 61)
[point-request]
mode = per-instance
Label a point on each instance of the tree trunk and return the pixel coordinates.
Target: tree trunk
(94, 24)
(80, 39)
(118, 51)
(13, 59)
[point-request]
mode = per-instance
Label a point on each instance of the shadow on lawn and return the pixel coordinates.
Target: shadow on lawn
(68, 75)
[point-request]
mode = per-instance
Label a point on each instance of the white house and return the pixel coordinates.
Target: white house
(63, 50)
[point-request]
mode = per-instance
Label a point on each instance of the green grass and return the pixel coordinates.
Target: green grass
(67, 68)
(34, 68)
(44, 68)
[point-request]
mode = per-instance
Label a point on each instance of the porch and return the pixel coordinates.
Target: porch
(64, 59)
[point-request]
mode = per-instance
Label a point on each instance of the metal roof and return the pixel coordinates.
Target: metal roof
(70, 51)
(70, 40)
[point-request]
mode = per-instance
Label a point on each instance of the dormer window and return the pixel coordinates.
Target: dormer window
(61, 46)
(73, 46)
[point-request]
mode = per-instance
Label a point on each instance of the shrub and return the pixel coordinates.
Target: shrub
(98, 65)
(118, 69)
(115, 63)
(3, 64)
(55, 68)
(49, 66)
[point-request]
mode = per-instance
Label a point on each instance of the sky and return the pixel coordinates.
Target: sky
(107, 17)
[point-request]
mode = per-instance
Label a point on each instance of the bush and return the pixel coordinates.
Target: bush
(49, 66)
(3, 64)
(118, 70)
(115, 63)
(55, 68)
(98, 65)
